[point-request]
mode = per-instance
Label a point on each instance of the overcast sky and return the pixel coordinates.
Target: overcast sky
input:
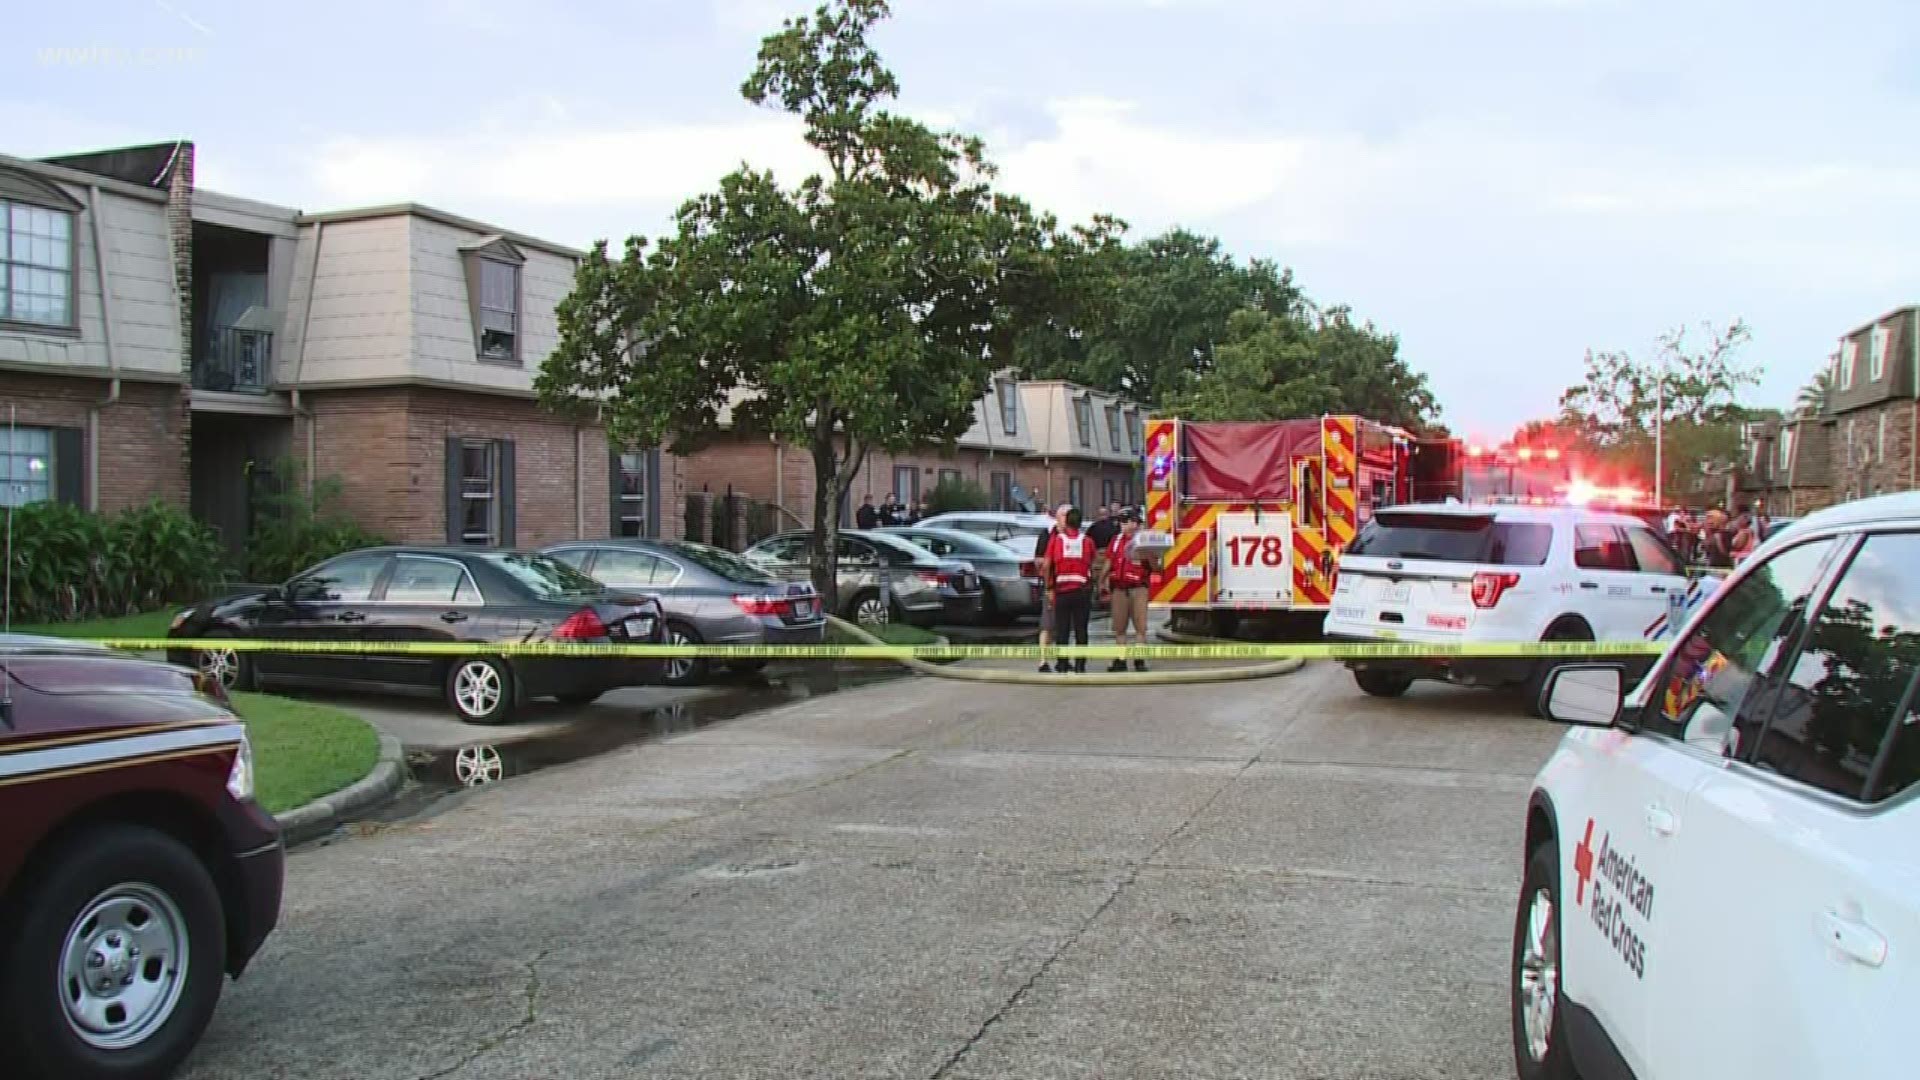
(1504, 183)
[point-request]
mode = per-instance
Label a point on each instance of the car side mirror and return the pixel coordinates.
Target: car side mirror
(1587, 695)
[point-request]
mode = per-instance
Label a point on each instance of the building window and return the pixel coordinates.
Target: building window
(950, 478)
(36, 264)
(906, 484)
(1113, 427)
(1133, 432)
(630, 495)
(1009, 406)
(1877, 354)
(1074, 492)
(1849, 359)
(1002, 491)
(494, 295)
(480, 496)
(1786, 450)
(26, 466)
(1108, 494)
(1083, 420)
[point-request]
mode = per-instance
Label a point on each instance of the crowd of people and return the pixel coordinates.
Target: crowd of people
(891, 512)
(1715, 538)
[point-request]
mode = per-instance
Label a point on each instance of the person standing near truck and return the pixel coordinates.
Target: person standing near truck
(1040, 547)
(1127, 582)
(1069, 571)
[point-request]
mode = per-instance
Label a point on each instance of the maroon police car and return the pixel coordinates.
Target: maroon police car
(136, 871)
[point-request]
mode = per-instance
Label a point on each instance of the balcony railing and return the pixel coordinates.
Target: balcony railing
(240, 362)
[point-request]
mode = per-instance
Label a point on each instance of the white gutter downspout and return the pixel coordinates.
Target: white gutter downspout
(113, 356)
(300, 365)
(580, 482)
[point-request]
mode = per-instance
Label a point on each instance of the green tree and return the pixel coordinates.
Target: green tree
(868, 306)
(1816, 397)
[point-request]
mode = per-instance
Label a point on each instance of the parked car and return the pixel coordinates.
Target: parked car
(1010, 582)
(431, 594)
(1019, 532)
(710, 595)
(881, 578)
(136, 871)
(1457, 573)
(1776, 526)
(1719, 862)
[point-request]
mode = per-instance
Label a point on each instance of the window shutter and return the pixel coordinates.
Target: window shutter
(504, 493)
(652, 525)
(69, 466)
(453, 489)
(613, 491)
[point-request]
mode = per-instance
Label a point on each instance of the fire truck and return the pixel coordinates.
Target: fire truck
(1258, 512)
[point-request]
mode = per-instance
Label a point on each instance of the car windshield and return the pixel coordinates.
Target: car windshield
(543, 575)
(722, 562)
(956, 543)
(1464, 538)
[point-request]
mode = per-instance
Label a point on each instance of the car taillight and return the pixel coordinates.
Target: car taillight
(763, 605)
(582, 625)
(1488, 588)
(934, 577)
(1029, 569)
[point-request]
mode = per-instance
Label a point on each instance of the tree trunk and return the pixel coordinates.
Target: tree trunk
(832, 474)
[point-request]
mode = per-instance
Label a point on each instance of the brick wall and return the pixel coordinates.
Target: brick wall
(1877, 465)
(1051, 482)
(757, 469)
(388, 448)
(140, 435)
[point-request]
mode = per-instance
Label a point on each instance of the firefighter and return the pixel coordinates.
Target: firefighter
(1069, 572)
(1126, 579)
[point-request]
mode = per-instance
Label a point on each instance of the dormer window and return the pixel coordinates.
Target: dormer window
(1877, 354)
(493, 294)
(37, 253)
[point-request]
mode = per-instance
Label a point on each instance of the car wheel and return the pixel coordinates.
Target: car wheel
(480, 689)
(678, 670)
(1382, 683)
(1536, 684)
(233, 668)
(869, 608)
(115, 965)
(1539, 1031)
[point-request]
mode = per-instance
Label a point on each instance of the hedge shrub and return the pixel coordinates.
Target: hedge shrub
(72, 564)
(292, 531)
(950, 496)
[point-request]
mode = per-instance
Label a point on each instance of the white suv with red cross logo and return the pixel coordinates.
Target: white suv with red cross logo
(1454, 573)
(1722, 867)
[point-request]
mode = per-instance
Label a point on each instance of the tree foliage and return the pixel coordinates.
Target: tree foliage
(866, 307)
(1612, 414)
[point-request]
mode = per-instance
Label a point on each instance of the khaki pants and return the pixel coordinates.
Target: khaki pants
(1130, 606)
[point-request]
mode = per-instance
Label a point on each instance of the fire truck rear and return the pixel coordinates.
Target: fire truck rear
(1258, 512)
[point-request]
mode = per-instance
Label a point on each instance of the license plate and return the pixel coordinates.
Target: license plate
(640, 626)
(1397, 594)
(803, 608)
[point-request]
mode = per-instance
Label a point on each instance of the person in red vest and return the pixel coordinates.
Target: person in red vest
(1069, 573)
(1127, 581)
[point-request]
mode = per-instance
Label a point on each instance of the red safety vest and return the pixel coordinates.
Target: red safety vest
(1127, 573)
(1071, 556)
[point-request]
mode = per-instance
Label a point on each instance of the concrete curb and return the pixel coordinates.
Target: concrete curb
(323, 815)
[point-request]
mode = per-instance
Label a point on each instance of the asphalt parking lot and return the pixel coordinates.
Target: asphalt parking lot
(931, 879)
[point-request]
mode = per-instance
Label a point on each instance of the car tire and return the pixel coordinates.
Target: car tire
(479, 689)
(232, 667)
(675, 671)
(1540, 1049)
(1388, 684)
(1569, 629)
(110, 892)
(869, 608)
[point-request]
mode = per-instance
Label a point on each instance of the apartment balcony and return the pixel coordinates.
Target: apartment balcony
(235, 359)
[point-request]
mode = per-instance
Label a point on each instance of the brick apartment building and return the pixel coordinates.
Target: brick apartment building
(1032, 444)
(1862, 442)
(160, 340)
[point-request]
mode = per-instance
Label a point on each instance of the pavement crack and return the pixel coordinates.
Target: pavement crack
(512, 1030)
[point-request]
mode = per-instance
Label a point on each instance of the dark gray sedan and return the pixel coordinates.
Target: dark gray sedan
(1010, 582)
(710, 595)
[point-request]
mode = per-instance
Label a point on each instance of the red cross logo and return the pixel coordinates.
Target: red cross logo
(1583, 864)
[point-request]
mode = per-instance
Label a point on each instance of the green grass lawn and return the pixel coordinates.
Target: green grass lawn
(302, 751)
(147, 624)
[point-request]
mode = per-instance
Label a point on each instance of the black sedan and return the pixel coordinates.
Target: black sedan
(399, 594)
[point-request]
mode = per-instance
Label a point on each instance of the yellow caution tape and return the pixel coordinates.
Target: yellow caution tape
(1408, 650)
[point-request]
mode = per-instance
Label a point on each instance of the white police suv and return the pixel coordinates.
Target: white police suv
(1723, 865)
(1453, 573)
